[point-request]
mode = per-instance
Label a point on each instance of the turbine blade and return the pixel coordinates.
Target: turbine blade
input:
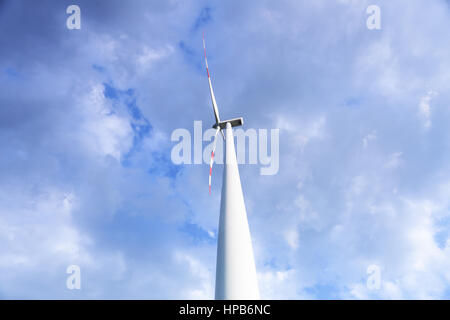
(212, 158)
(213, 99)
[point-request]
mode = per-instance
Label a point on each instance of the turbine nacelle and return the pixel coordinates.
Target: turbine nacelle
(236, 122)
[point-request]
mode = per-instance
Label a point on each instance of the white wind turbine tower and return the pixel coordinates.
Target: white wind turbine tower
(235, 268)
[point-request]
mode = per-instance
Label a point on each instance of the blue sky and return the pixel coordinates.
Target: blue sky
(86, 118)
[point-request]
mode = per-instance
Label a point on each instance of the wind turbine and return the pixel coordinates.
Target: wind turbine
(235, 266)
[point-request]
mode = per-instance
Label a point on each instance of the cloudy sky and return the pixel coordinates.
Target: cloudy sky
(86, 118)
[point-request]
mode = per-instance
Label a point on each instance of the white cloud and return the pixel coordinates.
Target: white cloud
(292, 238)
(104, 131)
(394, 160)
(150, 56)
(425, 108)
(280, 284)
(203, 278)
(302, 132)
(369, 137)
